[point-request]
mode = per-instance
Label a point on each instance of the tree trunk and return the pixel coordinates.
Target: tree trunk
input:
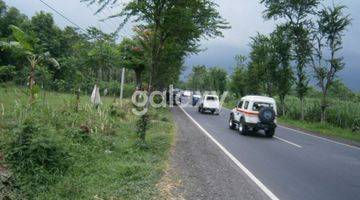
(138, 78)
(323, 107)
(302, 108)
(282, 102)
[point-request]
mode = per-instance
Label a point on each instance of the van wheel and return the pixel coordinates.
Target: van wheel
(232, 124)
(243, 129)
(270, 133)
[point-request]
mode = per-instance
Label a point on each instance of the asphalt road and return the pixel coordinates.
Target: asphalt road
(293, 165)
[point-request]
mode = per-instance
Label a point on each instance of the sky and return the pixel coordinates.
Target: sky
(244, 16)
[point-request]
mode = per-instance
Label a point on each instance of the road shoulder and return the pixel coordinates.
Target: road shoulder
(204, 170)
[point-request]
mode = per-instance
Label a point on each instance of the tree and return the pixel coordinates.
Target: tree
(197, 78)
(133, 58)
(239, 80)
(262, 66)
(328, 35)
(25, 43)
(281, 46)
(175, 22)
(217, 79)
(339, 90)
(297, 15)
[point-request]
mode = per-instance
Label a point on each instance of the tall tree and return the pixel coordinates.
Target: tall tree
(217, 79)
(281, 46)
(297, 14)
(262, 66)
(239, 78)
(197, 79)
(132, 53)
(328, 36)
(184, 22)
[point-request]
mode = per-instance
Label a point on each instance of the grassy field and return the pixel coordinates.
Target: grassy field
(341, 116)
(54, 152)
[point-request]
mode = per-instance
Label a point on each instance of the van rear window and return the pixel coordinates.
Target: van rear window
(258, 105)
(211, 98)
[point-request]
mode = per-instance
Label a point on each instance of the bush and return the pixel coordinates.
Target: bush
(36, 157)
(116, 111)
(142, 126)
(7, 73)
(81, 134)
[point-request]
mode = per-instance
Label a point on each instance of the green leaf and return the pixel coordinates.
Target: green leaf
(21, 37)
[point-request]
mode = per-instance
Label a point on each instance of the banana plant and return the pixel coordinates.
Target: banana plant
(25, 43)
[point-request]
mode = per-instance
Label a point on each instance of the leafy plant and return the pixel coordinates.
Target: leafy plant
(142, 126)
(36, 157)
(25, 43)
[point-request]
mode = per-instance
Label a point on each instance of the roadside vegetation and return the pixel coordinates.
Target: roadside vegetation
(50, 151)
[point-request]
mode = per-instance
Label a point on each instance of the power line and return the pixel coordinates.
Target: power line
(59, 13)
(92, 11)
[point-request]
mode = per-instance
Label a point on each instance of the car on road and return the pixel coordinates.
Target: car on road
(209, 103)
(254, 113)
(195, 98)
(186, 93)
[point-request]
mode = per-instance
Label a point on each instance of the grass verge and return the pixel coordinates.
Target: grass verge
(324, 129)
(89, 154)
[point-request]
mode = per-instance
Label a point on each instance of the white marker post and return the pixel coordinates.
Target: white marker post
(122, 85)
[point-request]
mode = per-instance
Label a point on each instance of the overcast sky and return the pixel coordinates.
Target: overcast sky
(245, 17)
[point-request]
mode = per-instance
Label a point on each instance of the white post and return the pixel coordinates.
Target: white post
(122, 85)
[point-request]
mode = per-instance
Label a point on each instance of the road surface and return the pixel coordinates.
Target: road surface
(292, 165)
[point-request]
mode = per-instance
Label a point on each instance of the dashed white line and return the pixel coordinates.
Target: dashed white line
(236, 161)
(286, 141)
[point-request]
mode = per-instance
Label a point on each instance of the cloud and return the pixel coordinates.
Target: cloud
(246, 19)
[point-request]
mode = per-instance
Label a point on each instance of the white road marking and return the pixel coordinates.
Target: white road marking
(321, 138)
(286, 141)
(236, 161)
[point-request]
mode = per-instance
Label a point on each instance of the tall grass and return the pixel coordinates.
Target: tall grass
(343, 114)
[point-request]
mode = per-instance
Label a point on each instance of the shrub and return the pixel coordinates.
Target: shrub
(36, 157)
(142, 126)
(116, 111)
(81, 134)
(7, 73)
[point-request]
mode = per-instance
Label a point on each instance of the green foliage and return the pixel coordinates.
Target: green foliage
(208, 79)
(298, 20)
(36, 157)
(331, 25)
(169, 31)
(142, 126)
(340, 91)
(325, 129)
(238, 84)
(101, 158)
(341, 113)
(7, 73)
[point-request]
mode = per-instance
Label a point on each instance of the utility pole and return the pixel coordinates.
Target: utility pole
(122, 86)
